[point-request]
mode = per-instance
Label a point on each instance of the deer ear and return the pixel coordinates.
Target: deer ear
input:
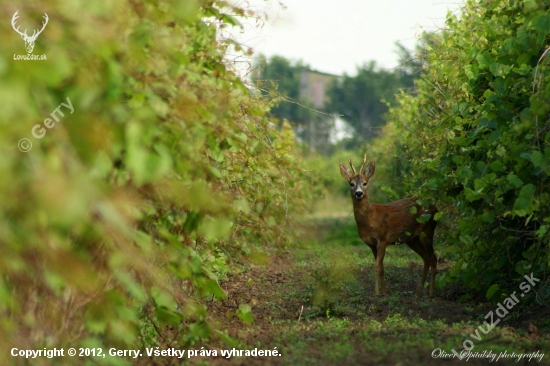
(344, 170)
(368, 170)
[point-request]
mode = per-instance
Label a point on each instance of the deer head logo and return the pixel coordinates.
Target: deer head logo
(29, 40)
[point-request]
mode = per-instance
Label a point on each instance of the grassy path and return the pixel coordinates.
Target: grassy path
(316, 305)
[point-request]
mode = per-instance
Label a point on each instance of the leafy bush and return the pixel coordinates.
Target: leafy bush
(476, 140)
(126, 213)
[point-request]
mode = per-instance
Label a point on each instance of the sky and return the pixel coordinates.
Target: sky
(337, 36)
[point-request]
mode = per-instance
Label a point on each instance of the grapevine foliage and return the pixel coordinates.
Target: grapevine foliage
(475, 139)
(124, 217)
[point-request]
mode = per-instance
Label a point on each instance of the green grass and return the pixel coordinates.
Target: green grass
(401, 336)
(328, 284)
(344, 321)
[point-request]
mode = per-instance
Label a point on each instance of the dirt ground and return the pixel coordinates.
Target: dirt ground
(316, 304)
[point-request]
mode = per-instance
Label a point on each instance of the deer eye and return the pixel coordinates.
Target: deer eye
(352, 184)
(364, 184)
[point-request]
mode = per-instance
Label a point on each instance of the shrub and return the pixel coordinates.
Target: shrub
(476, 138)
(128, 211)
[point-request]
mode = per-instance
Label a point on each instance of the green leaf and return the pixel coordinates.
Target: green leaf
(192, 221)
(212, 287)
(200, 329)
(453, 272)
(466, 239)
(123, 331)
(542, 26)
(500, 69)
(488, 216)
(424, 218)
(163, 299)
(484, 59)
(96, 319)
(230, 341)
(541, 232)
(524, 200)
(242, 205)
(497, 166)
(215, 228)
(215, 172)
(470, 71)
(530, 5)
(514, 180)
(229, 20)
(540, 160)
(524, 69)
(244, 312)
(479, 184)
(481, 166)
(167, 316)
(501, 151)
(472, 195)
(131, 285)
(492, 290)
(488, 93)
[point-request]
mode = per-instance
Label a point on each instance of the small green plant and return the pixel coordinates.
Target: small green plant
(330, 277)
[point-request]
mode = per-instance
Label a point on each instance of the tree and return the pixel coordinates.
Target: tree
(362, 99)
(413, 62)
(283, 81)
(281, 77)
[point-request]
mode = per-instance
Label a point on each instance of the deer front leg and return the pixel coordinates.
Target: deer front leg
(373, 248)
(379, 267)
(416, 245)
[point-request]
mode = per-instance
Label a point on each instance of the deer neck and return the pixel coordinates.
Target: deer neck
(362, 210)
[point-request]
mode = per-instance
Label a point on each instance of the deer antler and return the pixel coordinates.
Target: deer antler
(24, 34)
(43, 26)
(352, 168)
(13, 19)
(364, 162)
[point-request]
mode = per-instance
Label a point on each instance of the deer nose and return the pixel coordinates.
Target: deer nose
(359, 194)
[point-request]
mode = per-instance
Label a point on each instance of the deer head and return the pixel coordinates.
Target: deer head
(358, 182)
(29, 40)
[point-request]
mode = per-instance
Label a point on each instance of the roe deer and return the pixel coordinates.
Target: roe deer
(380, 225)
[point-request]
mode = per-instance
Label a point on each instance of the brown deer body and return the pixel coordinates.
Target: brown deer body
(380, 225)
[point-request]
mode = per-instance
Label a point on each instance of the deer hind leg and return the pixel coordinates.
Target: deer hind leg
(434, 271)
(417, 246)
(433, 265)
(427, 243)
